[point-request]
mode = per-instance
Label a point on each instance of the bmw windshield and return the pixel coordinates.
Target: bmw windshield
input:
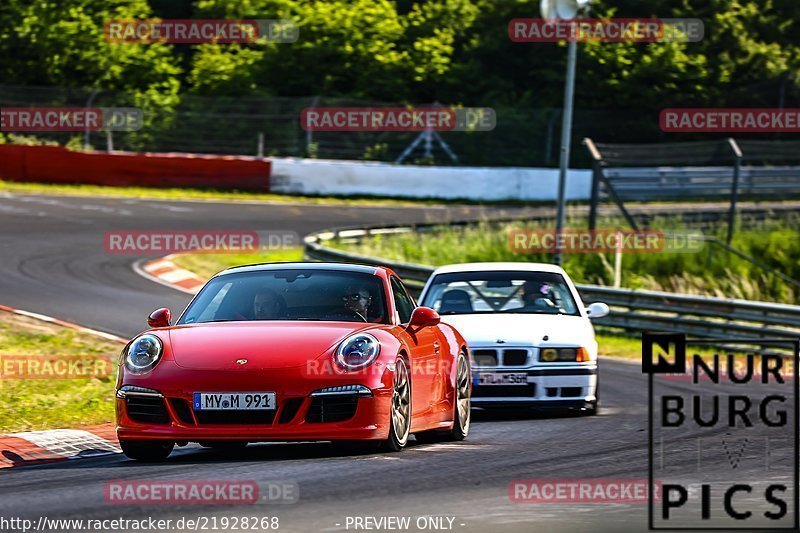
(461, 293)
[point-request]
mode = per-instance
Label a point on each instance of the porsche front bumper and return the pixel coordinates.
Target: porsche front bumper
(304, 410)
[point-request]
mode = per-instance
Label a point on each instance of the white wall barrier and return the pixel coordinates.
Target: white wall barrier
(329, 177)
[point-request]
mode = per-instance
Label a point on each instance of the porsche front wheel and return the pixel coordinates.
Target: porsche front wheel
(400, 421)
(461, 410)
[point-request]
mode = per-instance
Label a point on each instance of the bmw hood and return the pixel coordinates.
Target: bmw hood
(264, 345)
(523, 329)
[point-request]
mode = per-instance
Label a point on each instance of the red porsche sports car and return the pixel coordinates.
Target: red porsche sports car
(293, 352)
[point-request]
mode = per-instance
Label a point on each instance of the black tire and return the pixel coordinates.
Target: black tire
(589, 410)
(593, 408)
(400, 414)
(148, 451)
(462, 410)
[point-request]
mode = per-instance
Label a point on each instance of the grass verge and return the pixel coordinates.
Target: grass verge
(206, 265)
(47, 403)
(625, 347)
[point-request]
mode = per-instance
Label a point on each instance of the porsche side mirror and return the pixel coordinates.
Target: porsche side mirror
(597, 310)
(159, 318)
(423, 317)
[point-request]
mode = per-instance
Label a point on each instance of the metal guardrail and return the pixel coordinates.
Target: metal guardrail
(665, 183)
(692, 170)
(632, 310)
(720, 169)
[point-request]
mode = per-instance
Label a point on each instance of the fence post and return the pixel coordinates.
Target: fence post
(261, 145)
(86, 130)
(309, 131)
(737, 167)
(596, 170)
(618, 262)
(595, 198)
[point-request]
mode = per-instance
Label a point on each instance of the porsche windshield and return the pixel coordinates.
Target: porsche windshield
(291, 294)
(461, 293)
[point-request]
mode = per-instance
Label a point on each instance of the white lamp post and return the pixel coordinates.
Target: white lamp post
(564, 10)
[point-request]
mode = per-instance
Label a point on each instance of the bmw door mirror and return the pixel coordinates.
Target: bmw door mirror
(597, 310)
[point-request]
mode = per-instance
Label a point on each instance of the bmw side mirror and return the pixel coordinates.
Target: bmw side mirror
(159, 318)
(597, 310)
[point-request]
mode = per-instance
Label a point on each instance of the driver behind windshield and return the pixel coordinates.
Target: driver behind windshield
(537, 295)
(355, 304)
(268, 305)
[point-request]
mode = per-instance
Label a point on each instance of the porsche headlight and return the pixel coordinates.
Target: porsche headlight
(143, 353)
(358, 351)
(564, 355)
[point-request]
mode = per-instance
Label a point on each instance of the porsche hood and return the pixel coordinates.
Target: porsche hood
(264, 345)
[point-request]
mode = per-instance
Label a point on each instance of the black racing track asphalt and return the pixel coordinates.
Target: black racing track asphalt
(52, 261)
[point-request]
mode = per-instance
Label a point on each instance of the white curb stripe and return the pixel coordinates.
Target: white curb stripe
(71, 325)
(157, 265)
(176, 275)
(69, 443)
(167, 273)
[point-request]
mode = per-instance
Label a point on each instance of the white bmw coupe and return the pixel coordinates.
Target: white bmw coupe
(530, 337)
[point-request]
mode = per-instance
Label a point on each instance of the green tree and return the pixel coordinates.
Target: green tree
(361, 49)
(43, 42)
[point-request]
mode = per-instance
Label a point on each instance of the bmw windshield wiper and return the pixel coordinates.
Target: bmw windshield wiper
(521, 311)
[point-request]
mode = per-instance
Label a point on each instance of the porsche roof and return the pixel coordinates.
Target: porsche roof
(341, 267)
(496, 267)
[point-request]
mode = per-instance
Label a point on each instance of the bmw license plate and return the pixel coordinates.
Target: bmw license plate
(234, 401)
(501, 378)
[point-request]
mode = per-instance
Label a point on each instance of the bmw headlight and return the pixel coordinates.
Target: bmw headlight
(358, 351)
(564, 355)
(143, 353)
